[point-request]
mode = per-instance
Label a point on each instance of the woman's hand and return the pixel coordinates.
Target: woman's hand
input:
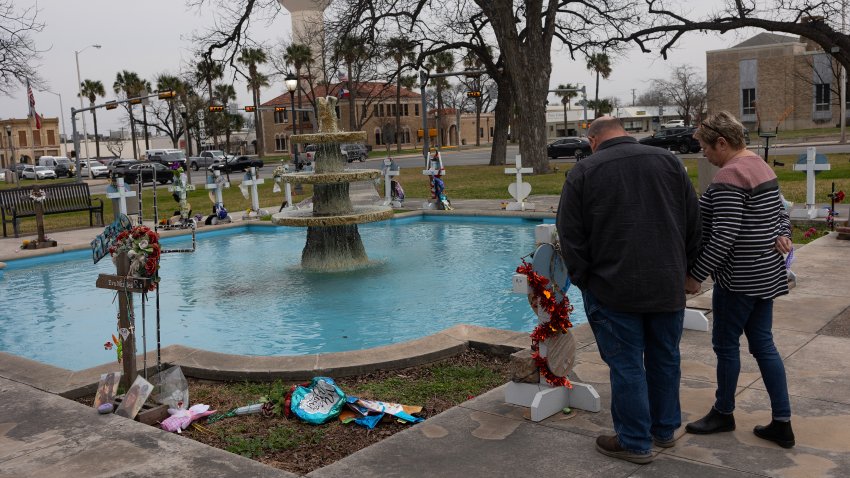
(783, 244)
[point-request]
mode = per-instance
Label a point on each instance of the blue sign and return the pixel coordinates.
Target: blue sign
(819, 159)
(101, 244)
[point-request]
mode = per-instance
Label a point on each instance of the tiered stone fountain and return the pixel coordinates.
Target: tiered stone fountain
(333, 241)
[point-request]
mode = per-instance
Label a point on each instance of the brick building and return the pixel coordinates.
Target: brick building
(780, 80)
(27, 142)
(375, 102)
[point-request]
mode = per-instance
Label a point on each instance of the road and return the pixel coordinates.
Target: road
(473, 156)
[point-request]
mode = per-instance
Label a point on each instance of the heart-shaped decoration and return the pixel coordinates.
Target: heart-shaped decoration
(524, 191)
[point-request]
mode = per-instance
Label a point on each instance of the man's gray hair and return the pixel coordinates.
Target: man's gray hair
(605, 124)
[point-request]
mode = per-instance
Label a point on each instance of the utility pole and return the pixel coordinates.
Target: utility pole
(633, 96)
(843, 80)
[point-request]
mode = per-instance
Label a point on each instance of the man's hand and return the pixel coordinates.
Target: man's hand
(692, 286)
(783, 244)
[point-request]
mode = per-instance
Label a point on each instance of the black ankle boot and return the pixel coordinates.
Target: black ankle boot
(777, 432)
(714, 422)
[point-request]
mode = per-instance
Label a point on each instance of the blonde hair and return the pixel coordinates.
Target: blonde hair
(721, 124)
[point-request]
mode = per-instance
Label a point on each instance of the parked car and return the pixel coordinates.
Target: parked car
(38, 172)
(679, 139)
(132, 171)
(120, 163)
(238, 163)
(207, 159)
(97, 170)
(19, 169)
(354, 152)
(569, 146)
(679, 123)
(167, 156)
(60, 165)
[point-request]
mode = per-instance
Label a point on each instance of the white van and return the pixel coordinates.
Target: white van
(60, 165)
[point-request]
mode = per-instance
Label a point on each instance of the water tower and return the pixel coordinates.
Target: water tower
(307, 21)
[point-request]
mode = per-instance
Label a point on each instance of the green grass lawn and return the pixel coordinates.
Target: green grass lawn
(462, 182)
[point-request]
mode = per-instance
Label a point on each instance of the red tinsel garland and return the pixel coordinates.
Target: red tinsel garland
(559, 320)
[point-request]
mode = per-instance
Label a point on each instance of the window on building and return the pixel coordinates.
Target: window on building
(416, 109)
(280, 117)
(480, 132)
(491, 131)
(378, 136)
(406, 111)
(748, 101)
(279, 142)
(822, 96)
(381, 110)
(406, 132)
(51, 137)
(375, 110)
(22, 139)
(305, 117)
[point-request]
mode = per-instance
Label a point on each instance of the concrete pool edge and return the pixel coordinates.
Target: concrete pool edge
(204, 364)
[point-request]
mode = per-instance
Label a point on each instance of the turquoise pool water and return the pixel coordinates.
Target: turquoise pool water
(243, 292)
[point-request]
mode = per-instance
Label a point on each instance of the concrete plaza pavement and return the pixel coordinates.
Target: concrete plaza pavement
(42, 434)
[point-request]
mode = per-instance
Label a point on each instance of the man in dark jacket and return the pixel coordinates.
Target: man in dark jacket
(628, 223)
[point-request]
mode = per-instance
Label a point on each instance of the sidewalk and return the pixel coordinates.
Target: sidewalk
(42, 434)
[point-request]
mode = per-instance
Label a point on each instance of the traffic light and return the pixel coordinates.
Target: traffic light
(111, 105)
(249, 109)
(164, 95)
(216, 108)
(280, 108)
(473, 94)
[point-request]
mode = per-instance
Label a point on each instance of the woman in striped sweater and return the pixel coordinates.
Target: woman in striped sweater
(745, 233)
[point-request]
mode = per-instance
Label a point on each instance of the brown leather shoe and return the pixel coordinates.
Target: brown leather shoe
(664, 443)
(610, 446)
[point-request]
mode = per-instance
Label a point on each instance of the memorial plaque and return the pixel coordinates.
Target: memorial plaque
(129, 284)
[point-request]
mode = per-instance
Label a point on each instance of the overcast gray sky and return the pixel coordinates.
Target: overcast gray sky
(153, 37)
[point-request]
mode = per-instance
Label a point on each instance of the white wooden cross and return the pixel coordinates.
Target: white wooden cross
(253, 182)
(391, 170)
(810, 167)
(121, 194)
(217, 184)
(181, 185)
(519, 190)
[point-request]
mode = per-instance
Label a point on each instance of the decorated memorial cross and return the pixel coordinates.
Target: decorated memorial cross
(251, 182)
(391, 170)
(216, 182)
(121, 193)
(181, 186)
(519, 189)
(813, 163)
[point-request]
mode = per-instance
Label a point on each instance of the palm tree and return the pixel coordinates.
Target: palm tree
(91, 89)
(224, 93)
(298, 55)
(350, 49)
(399, 49)
(129, 83)
(601, 64)
(441, 62)
(167, 82)
(206, 72)
(566, 96)
(251, 57)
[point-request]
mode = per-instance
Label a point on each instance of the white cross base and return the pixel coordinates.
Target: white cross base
(122, 194)
(519, 190)
(255, 198)
(810, 167)
(545, 400)
(388, 175)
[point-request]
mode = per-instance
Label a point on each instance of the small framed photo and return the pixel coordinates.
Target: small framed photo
(134, 398)
(107, 388)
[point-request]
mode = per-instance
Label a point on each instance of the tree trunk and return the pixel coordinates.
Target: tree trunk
(398, 108)
(96, 138)
(596, 99)
(210, 124)
(529, 66)
(174, 135)
(145, 121)
(352, 124)
(438, 117)
(133, 135)
(478, 119)
(258, 125)
(502, 118)
(566, 129)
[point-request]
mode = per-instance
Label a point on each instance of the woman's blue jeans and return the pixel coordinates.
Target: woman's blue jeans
(642, 353)
(735, 314)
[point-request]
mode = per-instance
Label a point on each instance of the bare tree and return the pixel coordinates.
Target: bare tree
(115, 146)
(686, 89)
(18, 53)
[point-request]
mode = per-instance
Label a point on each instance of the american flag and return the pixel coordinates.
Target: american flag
(31, 100)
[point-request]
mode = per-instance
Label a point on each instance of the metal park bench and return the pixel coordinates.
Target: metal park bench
(61, 198)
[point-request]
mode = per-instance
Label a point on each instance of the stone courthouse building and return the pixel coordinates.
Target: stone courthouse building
(779, 80)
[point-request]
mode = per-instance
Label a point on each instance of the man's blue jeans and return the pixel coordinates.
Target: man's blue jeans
(734, 314)
(642, 352)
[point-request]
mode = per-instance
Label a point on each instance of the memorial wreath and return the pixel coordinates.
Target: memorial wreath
(543, 296)
(142, 247)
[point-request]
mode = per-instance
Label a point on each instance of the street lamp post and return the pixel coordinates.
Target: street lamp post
(182, 109)
(61, 115)
(80, 93)
(291, 82)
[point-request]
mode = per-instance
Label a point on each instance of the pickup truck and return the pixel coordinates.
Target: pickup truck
(207, 159)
